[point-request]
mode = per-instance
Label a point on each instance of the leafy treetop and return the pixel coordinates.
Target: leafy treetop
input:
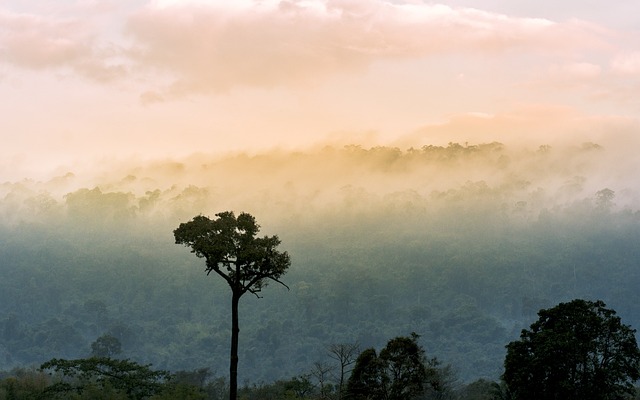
(233, 251)
(578, 350)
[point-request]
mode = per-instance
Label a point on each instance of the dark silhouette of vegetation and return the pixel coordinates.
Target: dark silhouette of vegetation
(578, 350)
(246, 262)
(345, 354)
(400, 372)
(102, 373)
(23, 383)
(368, 378)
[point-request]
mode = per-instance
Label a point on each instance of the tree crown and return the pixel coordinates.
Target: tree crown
(232, 250)
(576, 350)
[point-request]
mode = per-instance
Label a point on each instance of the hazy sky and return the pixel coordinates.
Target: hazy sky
(103, 80)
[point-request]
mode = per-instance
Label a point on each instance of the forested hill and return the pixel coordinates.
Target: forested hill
(462, 244)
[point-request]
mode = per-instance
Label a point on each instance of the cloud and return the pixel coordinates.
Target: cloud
(38, 42)
(626, 64)
(213, 46)
(198, 46)
(35, 42)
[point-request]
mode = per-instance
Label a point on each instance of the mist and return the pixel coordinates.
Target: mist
(461, 243)
(441, 169)
(336, 179)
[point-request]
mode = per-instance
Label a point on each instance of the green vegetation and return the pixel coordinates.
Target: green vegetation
(95, 374)
(460, 244)
(578, 350)
(400, 372)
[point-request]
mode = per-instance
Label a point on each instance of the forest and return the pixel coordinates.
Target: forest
(461, 244)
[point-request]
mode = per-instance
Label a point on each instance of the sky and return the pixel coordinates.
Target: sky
(89, 81)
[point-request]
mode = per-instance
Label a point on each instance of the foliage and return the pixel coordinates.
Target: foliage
(406, 367)
(401, 371)
(577, 350)
(461, 243)
(21, 383)
(127, 377)
(246, 262)
(368, 379)
(232, 250)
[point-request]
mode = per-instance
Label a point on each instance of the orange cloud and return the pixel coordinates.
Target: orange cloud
(213, 46)
(37, 42)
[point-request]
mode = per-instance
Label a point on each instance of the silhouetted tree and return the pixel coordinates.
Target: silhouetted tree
(368, 378)
(345, 354)
(321, 372)
(400, 372)
(578, 350)
(404, 360)
(231, 249)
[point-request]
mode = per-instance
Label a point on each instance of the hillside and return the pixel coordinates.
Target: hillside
(462, 244)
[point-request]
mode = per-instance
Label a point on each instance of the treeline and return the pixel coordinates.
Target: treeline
(402, 369)
(383, 242)
(520, 183)
(100, 378)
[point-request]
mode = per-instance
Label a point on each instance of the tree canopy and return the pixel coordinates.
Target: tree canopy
(232, 250)
(77, 376)
(578, 350)
(400, 372)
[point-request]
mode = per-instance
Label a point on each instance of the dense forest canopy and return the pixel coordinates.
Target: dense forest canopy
(461, 244)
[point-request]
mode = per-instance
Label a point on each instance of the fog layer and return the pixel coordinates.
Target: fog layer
(461, 243)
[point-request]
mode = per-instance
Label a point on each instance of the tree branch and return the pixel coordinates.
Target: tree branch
(219, 272)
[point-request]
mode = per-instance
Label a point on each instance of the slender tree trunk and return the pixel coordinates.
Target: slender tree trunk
(341, 381)
(235, 331)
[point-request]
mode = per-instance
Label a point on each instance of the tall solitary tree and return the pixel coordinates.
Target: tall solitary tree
(578, 350)
(233, 251)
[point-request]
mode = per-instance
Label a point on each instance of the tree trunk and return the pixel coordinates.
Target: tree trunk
(235, 330)
(341, 385)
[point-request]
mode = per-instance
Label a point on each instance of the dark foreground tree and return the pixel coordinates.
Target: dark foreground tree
(405, 363)
(578, 350)
(231, 249)
(368, 379)
(400, 372)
